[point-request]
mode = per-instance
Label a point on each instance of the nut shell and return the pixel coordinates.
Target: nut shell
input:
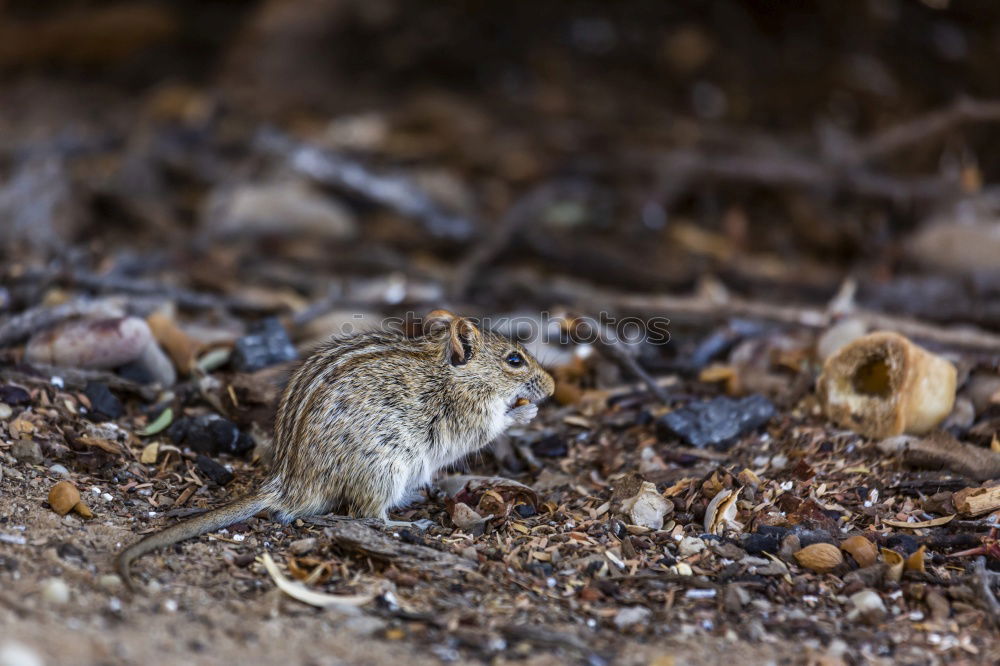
(864, 552)
(819, 557)
(63, 497)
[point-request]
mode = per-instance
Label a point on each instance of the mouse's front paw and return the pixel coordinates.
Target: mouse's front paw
(523, 415)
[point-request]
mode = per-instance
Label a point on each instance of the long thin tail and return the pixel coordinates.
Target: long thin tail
(215, 519)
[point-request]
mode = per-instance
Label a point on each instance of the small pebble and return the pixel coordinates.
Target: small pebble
(170, 605)
(689, 546)
(267, 344)
(718, 422)
(27, 451)
(104, 405)
(244, 559)
(5, 411)
(867, 606)
(553, 446)
(59, 470)
(366, 625)
(110, 582)
(302, 546)
(626, 617)
(215, 472)
(700, 594)
(55, 591)
(13, 653)
(106, 497)
(210, 434)
(14, 395)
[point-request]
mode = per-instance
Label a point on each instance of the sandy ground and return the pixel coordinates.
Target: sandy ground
(201, 610)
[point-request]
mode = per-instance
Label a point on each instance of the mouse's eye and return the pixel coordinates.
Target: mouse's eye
(515, 360)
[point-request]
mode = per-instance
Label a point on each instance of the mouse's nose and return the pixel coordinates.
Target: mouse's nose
(544, 385)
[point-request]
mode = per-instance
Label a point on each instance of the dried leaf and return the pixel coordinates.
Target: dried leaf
(300, 592)
(181, 347)
(150, 453)
(160, 424)
(100, 443)
(310, 569)
(20, 428)
(935, 522)
(864, 552)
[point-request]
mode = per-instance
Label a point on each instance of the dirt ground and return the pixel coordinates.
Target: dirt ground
(203, 614)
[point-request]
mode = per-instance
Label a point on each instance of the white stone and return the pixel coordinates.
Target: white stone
(626, 617)
(55, 591)
(13, 653)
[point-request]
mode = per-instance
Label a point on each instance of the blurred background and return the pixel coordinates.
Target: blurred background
(297, 157)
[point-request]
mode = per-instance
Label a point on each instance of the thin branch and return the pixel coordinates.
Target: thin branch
(686, 165)
(612, 347)
(23, 324)
(503, 232)
(699, 309)
(390, 191)
(184, 298)
(926, 127)
(694, 307)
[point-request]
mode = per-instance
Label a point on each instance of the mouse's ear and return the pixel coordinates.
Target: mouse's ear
(462, 334)
(438, 320)
(464, 340)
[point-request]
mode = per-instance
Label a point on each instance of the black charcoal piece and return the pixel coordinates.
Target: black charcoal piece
(553, 446)
(14, 395)
(267, 344)
(765, 540)
(718, 422)
(525, 510)
(211, 435)
(104, 406)
(215, 472)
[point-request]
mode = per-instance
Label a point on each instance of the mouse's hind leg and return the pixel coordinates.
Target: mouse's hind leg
(381, 490)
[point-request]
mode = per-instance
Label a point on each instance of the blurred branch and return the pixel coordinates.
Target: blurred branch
(700, 309)
(393, 192)
(693, 306)
(20, 326)
(522, 211)
(925, 127)
(764, 162)
(679, 168)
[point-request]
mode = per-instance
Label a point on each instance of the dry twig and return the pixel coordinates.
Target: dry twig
(23, 324)
(393, 192)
